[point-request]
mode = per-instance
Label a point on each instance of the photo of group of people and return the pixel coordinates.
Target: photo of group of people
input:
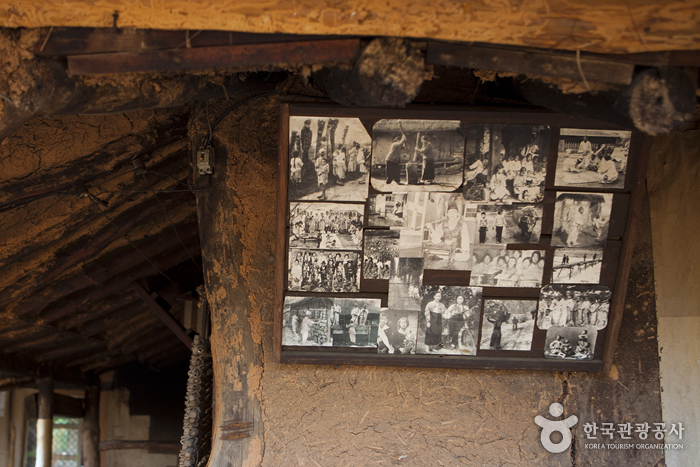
(574, 305)
(592, 158)
(324, 271)
(328, 159)
(421, 196)
(417, 155)
(571, 343)
(506, 163)
(507, 268)
(380, 254)
(324, 321)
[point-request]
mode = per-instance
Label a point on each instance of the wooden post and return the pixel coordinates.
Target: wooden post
(237, 358)
(91, 428)
(44, 423)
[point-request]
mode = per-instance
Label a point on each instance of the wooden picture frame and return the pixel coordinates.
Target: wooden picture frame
(615, 268)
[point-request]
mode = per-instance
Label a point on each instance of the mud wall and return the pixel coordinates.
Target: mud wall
(674, 198)
(346, 415)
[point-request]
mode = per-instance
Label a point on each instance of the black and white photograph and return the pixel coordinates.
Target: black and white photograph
(508, 324)
(574, 305)
(397, 332)
(355, 322)
(328, 159)
(404, 285)
(571, 343)
(415, 213)
(417, 155)
(449, 222)
(323, 271)
(448, 323)
(326, 226)
(505, 163)
(307, 321)
(577, 266)
(592, 158)
(387, 210)
(581, 220)
(508, 223)
(380, 254)
(507, 268)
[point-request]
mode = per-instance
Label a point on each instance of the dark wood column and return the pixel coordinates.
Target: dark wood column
(91, 428)
(237, 358)
(44, 423)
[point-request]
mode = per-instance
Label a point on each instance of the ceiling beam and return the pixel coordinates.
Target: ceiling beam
(244, 56)
(166, 317)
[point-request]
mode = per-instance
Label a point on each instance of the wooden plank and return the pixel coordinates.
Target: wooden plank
(211, 57)
(538, 63)
(623, 269)
(611, 26)
(152, 446)
(80, 41)
(166, 317)
(90, 433)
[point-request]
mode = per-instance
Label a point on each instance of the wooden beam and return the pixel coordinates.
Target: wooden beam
(44, 423)
(91, 428)
(80, 250)
(166, 317)
(230, 308)
(82, 41)
(151, 446)
(530, 62)
(658, 100)
(244, 56)
(608, 26)
(104, 268)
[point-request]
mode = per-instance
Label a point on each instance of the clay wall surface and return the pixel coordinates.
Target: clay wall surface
(348, 415)
(674, 198)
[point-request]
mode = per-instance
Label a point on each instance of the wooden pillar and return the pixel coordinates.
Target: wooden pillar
(237, 358)
(44, 423)
(91, 428)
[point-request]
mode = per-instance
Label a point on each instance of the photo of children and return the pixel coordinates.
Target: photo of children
(503, 224)
(571, 343)
(506, 163)
(323, 270)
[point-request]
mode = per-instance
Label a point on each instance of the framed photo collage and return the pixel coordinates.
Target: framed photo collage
(452, 238)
